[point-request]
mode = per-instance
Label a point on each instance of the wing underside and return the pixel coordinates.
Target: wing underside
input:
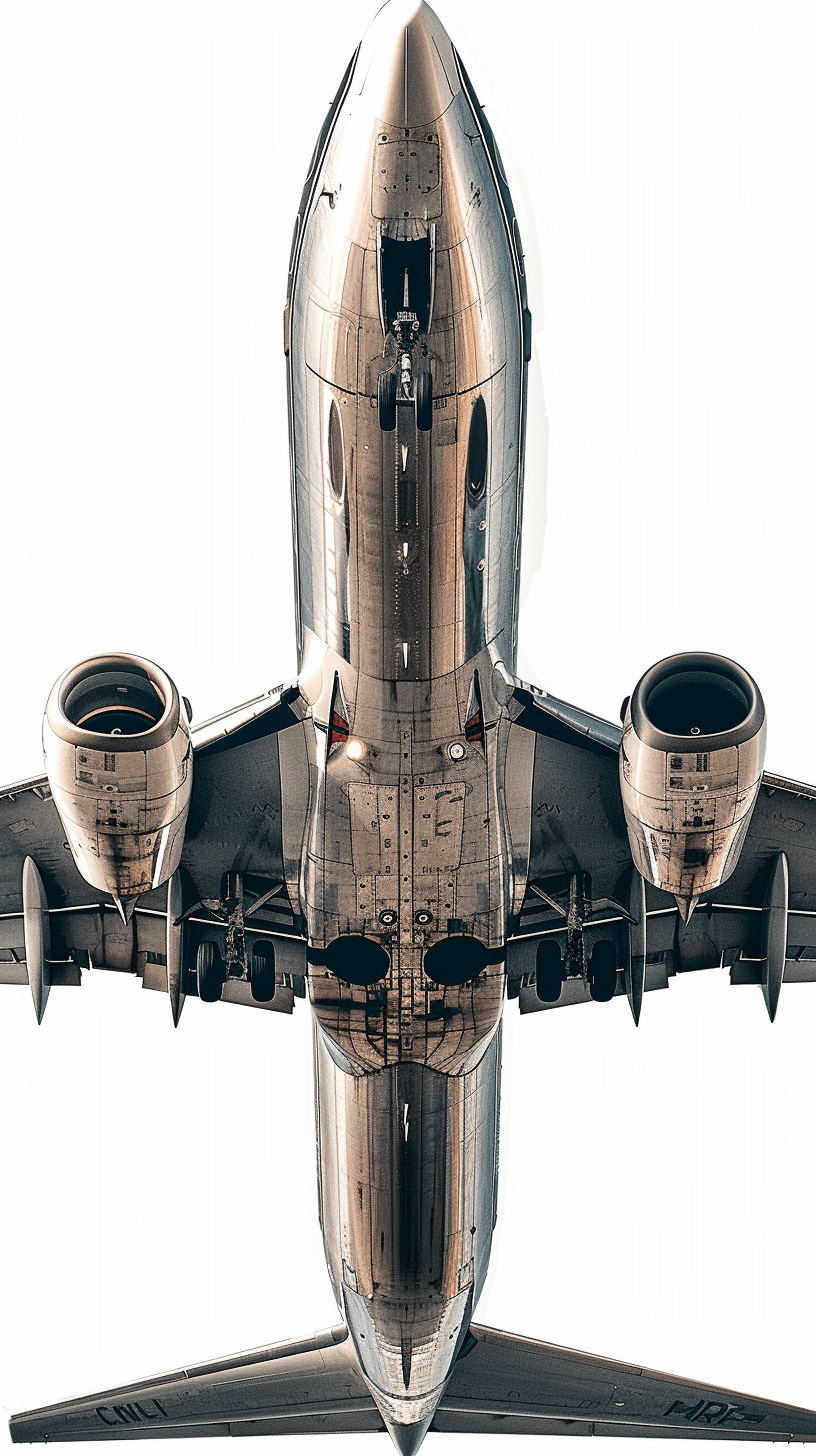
(503, 1384)
(233, 880)
(578, 844)
(308, 1385)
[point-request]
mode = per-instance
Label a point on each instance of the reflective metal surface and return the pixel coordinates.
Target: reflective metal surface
(406, 566)
(691, 761)
(119, 760)
(407, 1174)
(405, 336)
(382, 834)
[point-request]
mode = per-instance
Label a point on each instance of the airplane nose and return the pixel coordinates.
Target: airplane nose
(408, 65)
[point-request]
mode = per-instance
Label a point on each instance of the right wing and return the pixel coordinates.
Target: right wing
(512, 1386)
(577, 829)
(240, 824)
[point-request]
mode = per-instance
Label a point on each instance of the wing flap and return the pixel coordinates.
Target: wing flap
(513, 1385)
(300, 1386)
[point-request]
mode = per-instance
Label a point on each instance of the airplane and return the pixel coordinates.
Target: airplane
(147, 906)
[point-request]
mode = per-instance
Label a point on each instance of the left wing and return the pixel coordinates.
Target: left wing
(761, 922)
(233, 879)
(293, 1388)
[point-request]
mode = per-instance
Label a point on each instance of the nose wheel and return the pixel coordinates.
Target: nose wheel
(387, 386)
(387, 401)
(424, 401)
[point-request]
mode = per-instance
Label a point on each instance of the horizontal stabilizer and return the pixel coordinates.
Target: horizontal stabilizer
(514, 1386)
(302, 1386)
(504, 1384)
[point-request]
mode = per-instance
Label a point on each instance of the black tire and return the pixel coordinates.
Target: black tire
(603, 971)
(262, 972)
(387, 401)
(424, 401)
(211, 971)
(549, 971)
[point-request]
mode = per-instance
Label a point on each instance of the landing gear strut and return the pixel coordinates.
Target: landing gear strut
(404, 383)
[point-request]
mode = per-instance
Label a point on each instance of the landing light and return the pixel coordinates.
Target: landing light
(355, 749)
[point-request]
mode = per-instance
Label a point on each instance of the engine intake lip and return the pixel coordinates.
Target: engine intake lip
(85, 707)
(696, 690)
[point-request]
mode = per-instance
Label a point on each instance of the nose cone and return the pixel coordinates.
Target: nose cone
(407, 62)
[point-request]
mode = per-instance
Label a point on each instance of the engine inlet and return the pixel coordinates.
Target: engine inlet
(125, 701)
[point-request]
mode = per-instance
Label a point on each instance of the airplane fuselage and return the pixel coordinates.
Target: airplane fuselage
(407, 335)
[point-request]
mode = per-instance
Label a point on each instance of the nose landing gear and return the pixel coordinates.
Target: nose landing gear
(387, 401)
(424, 401)
(404, 383)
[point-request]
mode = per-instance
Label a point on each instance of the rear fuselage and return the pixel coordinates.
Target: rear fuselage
(406, 330)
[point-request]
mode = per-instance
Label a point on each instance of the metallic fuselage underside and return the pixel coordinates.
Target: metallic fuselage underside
(406, 261)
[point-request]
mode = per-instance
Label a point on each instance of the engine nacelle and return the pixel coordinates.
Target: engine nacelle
(116, 739)
(691, 762)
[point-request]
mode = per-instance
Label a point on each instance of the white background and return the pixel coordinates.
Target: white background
(158, 1200)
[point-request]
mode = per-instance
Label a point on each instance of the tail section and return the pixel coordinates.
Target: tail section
(308, 1385)
(526, 1387)
(500, 1383)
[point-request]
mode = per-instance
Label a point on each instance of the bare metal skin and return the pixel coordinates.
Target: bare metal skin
(408, 834)
(407, 595)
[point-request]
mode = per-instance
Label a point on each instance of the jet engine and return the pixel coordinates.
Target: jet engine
(691, 762)
(118, 756)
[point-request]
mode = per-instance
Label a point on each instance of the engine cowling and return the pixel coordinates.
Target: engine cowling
(691, 763)
(118, 756)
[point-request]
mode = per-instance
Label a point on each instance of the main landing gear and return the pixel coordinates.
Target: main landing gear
(236, 957)
(599, 972)
(549, 971)
(603, 971)
(211, 972)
